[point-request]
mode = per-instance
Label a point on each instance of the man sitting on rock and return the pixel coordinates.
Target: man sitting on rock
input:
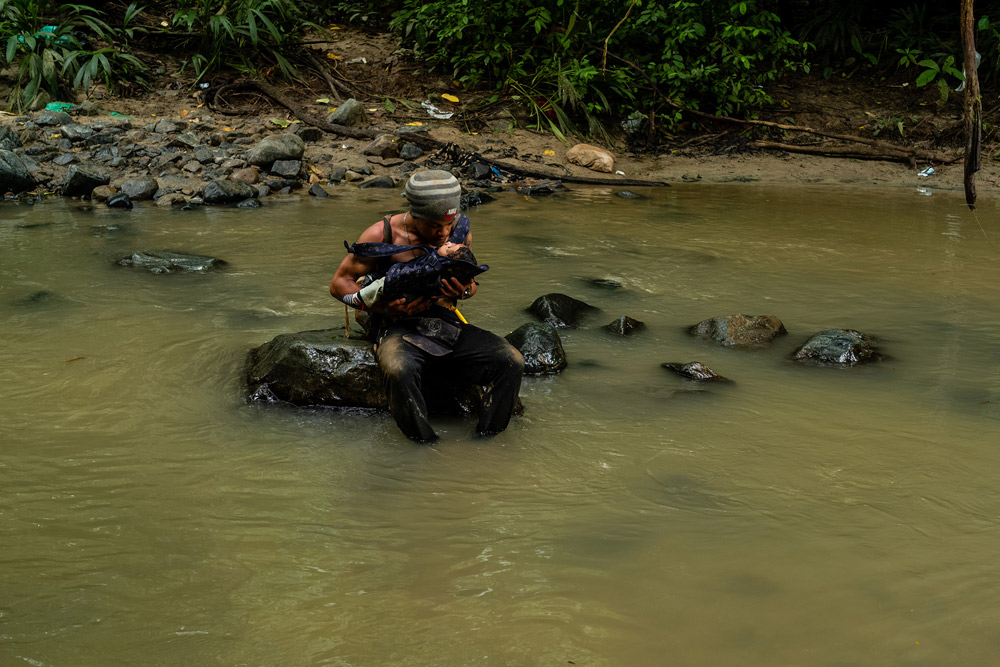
(421, 338)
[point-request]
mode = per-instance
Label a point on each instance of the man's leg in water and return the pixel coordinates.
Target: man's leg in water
(402, 366)
(485, 359)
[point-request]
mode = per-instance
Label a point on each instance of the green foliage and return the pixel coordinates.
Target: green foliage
(714, 55)
(49, 53)
(238, 34)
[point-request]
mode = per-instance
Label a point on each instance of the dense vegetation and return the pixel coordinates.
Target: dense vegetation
(577, 64)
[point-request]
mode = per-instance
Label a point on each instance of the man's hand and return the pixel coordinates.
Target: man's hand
(404, 308)
(453, 288)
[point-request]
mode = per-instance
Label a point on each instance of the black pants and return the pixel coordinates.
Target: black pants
(478, 358)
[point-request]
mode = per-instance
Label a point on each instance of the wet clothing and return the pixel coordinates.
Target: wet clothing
(436, 348)
(421, 276)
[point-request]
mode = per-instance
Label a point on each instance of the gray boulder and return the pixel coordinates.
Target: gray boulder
(378, 182)
(695, 370)
(14, 176)
(81, 179)
(53, 118)
(9, 139)
(316, 368)
(559, 310)
(541, 347)
(838, 347)
(168, 261)
(227, 191)
(276, 147)
(76, 133)
(351, 113)
(744, 331)
(141, 188)
(286, 168)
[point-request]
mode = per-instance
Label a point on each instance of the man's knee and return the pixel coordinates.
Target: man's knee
(395, 361)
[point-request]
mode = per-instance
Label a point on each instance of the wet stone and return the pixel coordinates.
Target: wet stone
(541, 347)
(53, 118)
(317, 190)
(560, 310)
(102, 192)
(337, 174)
(410, 152)
(625, 326)
(627, 194)
(249, 203)
(837, 347)
(746, 331)
(119, 200)
(76, 133)
(82, 179)
(168, 261)
(695, 370)
(203, 154)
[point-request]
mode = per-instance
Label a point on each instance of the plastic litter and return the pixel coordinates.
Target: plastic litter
(961, 86)
(620, 173)
(59, 106)
(927, 192)
(203, 86)
(925, 172)
(435, 112)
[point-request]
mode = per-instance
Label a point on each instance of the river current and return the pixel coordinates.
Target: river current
(797, 516)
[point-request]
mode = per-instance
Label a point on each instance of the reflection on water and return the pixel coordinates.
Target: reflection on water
(797, 516)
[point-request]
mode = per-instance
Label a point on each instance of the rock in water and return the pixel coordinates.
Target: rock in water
(559, 310)
(837, 347)
(168, 261)
(740, 330)
(625, 326)
(540, 346)
(695, 370)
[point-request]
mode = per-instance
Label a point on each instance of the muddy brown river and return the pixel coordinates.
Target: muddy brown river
(797, 516)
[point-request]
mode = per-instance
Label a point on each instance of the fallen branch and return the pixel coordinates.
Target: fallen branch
(895, 154)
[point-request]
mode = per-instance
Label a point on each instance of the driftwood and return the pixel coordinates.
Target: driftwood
(884, 153)
(973, 106)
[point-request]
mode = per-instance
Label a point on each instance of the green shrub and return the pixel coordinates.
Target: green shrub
(50, 53)
(238, 33)
(714, 55)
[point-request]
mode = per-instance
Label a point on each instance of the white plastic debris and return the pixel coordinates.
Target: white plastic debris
(435, 112)
(619, 172)
(927, 192)
(925, 172)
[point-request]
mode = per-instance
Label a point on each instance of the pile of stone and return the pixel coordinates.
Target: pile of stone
(198, 159)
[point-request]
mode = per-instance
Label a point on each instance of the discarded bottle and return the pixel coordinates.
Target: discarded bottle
(924, 173)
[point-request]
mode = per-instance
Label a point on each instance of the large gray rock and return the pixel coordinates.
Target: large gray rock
(81, 179)
(746, 331)
(541, 347)
(53, 118)
(228, 191)
(559, 310)
(14, 176)
(316, 368)
(276, 147)
(76, 133)
(839, 347)
(168, 261)
(351, 113)
(141, 188)
(9, 139)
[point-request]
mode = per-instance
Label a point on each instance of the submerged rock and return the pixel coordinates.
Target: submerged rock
(625, 326)
(840, 347)
(168, 261)
(119, 200)
(559, 310)
(740, 330)
(540, 346)
(695, 370)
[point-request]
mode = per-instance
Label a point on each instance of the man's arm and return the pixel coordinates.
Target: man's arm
(352, 267)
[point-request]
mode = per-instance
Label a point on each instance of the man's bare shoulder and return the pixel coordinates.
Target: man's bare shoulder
(373, 234)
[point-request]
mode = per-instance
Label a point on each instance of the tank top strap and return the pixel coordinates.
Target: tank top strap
(461, 231)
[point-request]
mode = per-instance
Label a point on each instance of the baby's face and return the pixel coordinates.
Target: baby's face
(448, 249)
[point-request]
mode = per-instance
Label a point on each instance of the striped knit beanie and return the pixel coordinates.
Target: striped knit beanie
(433, 195)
